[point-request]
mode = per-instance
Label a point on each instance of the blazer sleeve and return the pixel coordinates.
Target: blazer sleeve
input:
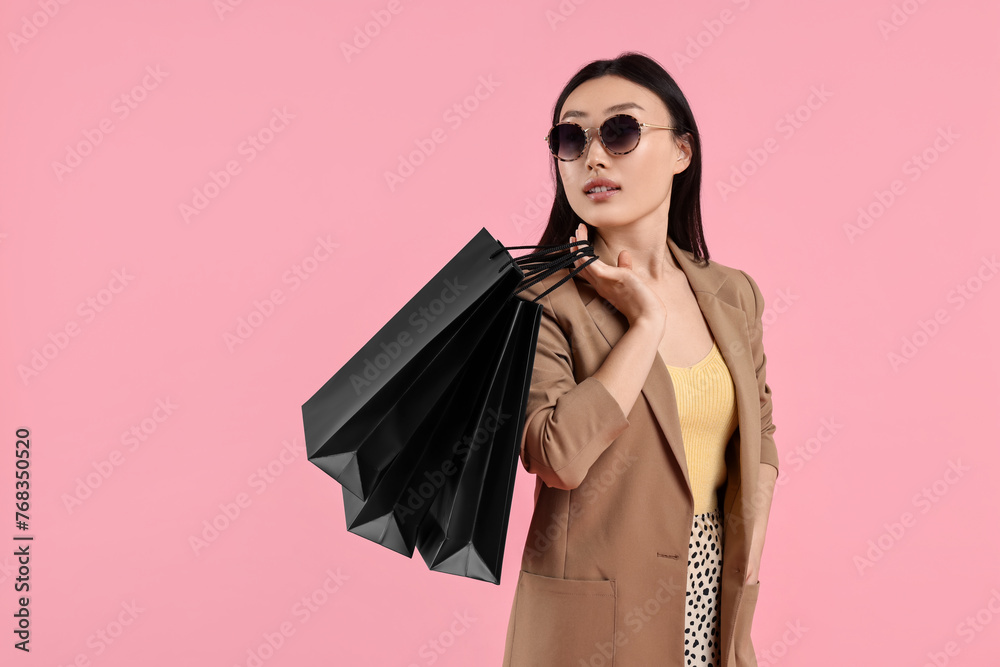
(768, 452)
(568, 425)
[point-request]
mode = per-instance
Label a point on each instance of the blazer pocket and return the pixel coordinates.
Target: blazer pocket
(745, 655)
(561, 622)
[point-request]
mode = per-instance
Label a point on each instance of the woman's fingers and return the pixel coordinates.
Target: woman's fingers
(580, 261)
(624, 259)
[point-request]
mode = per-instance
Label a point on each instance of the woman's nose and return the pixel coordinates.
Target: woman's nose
(595, 152)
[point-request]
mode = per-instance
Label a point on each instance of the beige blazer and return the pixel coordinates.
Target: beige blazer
(604, 570)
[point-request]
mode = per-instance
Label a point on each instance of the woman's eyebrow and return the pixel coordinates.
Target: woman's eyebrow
(573, 113)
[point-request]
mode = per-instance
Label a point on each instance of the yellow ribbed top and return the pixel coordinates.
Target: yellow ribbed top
(706, 404)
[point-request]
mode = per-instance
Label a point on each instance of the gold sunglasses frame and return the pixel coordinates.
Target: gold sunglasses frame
(586, 134)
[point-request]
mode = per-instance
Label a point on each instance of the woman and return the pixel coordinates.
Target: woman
(648, 422)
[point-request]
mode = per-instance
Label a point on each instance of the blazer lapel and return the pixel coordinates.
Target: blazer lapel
(728, 324)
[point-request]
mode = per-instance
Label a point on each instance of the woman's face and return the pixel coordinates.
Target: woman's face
(644, 176)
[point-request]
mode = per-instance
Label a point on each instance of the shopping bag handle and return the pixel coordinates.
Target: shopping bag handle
(540, 264)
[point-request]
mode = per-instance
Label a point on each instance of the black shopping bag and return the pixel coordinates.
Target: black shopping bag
(466, 530)
(386, 424)
(456, 449)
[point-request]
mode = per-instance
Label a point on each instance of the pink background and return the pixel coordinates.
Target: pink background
(860, 439)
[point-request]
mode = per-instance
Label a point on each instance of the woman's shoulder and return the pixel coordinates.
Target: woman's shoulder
(729, 283)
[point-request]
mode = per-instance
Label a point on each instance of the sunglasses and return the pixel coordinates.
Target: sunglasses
(619, 134)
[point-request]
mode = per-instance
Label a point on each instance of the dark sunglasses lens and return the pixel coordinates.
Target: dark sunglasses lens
(620, 133)
(567, 141)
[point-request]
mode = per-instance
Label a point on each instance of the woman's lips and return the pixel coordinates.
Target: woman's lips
(601, 196)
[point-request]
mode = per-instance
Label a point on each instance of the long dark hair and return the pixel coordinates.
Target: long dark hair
(684, 217)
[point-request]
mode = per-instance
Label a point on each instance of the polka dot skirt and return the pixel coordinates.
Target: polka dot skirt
(701, 631)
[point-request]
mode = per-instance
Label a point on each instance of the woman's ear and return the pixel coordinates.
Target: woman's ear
(684, 159)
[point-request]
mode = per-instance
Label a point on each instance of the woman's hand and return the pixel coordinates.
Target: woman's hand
(621, 286)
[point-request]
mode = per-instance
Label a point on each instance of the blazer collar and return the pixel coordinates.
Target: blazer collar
(728, 323)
